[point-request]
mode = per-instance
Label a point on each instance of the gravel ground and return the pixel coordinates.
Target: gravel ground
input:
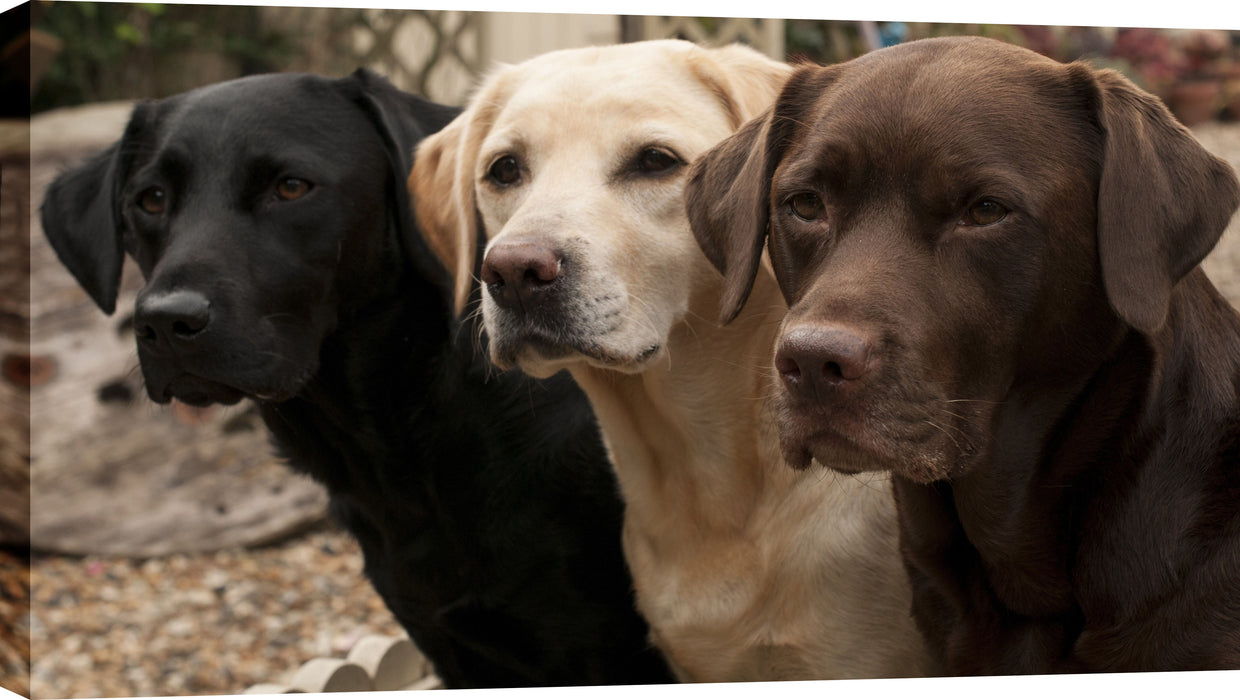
(197, 624)
(218, 623)
(15, 621)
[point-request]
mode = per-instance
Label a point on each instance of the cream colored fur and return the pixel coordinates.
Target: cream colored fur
(745, 568)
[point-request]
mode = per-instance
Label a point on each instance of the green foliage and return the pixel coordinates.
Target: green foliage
(145, 50)
(825, 41)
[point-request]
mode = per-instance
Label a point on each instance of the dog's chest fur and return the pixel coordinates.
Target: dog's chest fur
(744, 567)
(1093, 556)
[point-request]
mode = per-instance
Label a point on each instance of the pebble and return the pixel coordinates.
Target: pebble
(206, 624)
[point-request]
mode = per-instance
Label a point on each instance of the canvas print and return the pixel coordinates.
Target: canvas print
(400, 349)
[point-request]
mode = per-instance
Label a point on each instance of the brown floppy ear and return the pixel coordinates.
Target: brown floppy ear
(746, 83)
(442, 186)
(729, 189)
(1163, 201)
(726, 199)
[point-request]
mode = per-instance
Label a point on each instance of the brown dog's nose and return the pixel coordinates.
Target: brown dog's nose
(518, 275)
(171, 317)
(814, 360)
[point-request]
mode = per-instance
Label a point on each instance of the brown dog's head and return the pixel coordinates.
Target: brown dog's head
(954, 223)
(572, 167)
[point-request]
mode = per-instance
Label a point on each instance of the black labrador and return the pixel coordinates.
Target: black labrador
(270, 219)
(991, 262)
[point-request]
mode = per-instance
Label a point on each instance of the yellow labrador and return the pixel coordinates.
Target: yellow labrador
(574, 164)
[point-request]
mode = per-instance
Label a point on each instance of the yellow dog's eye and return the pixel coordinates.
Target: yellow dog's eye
(653, 161)
(505, 171)
(806, 206)
(291, 188)
(153, 200)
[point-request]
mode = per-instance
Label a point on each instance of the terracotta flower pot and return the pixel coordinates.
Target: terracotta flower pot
(1195, 101)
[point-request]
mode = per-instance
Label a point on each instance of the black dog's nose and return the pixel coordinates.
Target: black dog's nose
(519, 275)
(171, 317)
(814, 360)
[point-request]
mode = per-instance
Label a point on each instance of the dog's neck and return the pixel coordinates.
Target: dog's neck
(367, 361)
(1026, 513)
(1128, 402)
(729, 545)
(684, 433)
(409, 320)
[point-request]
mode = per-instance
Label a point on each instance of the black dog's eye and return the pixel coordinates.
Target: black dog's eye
(505, 171)
(291, 188)
(806, 206)
(153, 200)
(984, 213)
(656, 161)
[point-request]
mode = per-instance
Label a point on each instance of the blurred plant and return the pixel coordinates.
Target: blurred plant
(1196, 72)
(834, 41)
(1154, 61)
(1206, 53)
(125, 51)
(1066, 44)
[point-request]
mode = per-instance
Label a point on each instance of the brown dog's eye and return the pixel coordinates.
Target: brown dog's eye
(153, 200)
(984, 213)
(653, 161)
(806, 206)
(291, 188)
(505, 171)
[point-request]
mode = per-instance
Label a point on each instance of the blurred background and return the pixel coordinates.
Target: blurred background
(166, 552)
(91, 52)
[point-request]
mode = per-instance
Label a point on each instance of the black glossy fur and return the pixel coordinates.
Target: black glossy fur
(282, 264)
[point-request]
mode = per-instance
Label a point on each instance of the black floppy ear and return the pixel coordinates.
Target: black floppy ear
(81, 218)
(402, 120)
(726, 200)
(1163, 201)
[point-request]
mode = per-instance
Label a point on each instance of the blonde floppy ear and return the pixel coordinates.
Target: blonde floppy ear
(441, 184)
(443, 201)
(745, 81)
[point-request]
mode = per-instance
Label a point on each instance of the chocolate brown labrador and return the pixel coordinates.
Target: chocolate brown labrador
(991, 262)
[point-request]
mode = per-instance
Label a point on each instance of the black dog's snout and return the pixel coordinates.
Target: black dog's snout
(171, 317)
(813, 360)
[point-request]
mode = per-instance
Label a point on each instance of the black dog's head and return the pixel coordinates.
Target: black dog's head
(260, 212)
